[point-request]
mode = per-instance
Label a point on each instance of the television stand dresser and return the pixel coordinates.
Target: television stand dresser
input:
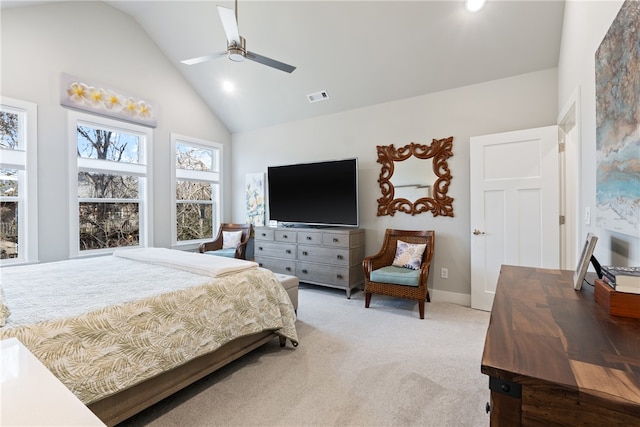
(330, 256)
(555, 357)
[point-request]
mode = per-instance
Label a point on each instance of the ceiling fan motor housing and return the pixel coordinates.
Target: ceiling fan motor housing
(237, 53)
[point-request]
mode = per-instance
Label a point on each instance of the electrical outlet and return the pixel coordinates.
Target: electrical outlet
(444, 273)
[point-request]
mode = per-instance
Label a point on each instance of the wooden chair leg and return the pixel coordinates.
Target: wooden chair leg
(367, 299)
(421, 308)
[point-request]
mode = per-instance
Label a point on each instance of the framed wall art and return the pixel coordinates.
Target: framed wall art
(617, 70)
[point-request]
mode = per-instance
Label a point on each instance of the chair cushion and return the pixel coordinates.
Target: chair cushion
(396, 275)
(228, 252)
(231, 239)
(409, 255)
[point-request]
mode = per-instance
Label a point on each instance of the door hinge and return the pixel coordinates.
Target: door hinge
(562, 219)
(561, 147)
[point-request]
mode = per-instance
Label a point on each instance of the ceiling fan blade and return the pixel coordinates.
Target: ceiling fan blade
(205, 58)
(270, 62)
(230, 25)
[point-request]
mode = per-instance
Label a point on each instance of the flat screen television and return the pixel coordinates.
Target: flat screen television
(316, 194)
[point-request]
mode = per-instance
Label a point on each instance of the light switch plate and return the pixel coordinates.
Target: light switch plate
(587, 215)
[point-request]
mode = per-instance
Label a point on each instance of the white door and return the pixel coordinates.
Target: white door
(514, 206)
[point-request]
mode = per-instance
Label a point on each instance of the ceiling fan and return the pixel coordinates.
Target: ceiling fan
(236, 45)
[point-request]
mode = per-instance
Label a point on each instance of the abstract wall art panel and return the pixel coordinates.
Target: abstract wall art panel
(617, 72)
(255, 199)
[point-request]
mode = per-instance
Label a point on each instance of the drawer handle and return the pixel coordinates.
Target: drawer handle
(339, 276)
(284, 236)
(288, 268)
(264, 234)
(259, 248)
(304, 271)
(339, 256)
(305, 253)
(335, 240)
(308, 237)
(288, 251)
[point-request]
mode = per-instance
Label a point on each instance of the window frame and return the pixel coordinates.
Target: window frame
(142, 170)
(24, 159)
(198, 176)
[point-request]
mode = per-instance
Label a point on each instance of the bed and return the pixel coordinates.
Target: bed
(126, 330)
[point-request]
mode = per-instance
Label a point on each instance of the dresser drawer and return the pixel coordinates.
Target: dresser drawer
(339, 257)
(281, 266)
(285, 236)
(276, 250)
(264, 234)
(336, 239)
(309, 237)
(323, 274)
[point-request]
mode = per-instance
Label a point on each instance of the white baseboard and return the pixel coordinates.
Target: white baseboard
(452, 297)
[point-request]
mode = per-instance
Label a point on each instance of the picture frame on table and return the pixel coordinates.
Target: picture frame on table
(583, 262)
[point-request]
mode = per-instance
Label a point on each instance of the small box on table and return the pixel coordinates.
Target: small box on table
(616, 303)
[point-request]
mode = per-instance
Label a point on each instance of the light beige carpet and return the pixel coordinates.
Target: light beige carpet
(381, 366)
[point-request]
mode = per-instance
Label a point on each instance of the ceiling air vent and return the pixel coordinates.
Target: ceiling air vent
(318, 96)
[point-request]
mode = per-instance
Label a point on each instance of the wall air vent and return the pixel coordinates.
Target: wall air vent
(318, 96)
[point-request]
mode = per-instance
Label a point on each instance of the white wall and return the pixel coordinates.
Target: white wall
(585, 25)
(96, 43)
(519, 102)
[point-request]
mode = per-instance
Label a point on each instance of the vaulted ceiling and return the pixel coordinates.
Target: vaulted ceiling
(360, 52)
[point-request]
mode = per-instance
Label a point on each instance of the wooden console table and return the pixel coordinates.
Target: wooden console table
(555, 357)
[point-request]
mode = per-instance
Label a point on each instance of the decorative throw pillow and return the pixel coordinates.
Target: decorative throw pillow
(409, 255)
(231, 239)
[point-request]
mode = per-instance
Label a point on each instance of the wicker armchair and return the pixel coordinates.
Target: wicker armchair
(399, 282)
(215, 247)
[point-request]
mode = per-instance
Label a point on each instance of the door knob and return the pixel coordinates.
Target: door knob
(477, 232)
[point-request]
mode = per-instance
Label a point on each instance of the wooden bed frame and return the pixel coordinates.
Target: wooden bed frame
(126, 403)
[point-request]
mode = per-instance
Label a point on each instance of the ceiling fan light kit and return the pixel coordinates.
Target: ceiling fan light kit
(236, 45)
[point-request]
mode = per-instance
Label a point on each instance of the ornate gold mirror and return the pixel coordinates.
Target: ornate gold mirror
(415, 186)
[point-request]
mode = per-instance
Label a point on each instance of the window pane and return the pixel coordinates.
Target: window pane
(106, 186)
(9, 130)
(193, 190)
(8, 182)
(194, 221)
(8, 230)
(105, 144)
(194, 158)
(108, 225)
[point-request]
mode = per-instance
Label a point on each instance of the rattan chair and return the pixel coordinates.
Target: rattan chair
(215, 247)
(410, 284)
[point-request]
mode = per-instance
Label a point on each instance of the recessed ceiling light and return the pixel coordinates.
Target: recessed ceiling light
(474, 5)
(227, 86)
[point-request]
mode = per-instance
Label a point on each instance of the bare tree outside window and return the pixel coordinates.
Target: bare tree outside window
(108, 202)
(9, 127)
(195, 197)
(9, 179)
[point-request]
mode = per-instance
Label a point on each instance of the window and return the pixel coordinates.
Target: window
(18, 179)
(110, 182)
(197, 189)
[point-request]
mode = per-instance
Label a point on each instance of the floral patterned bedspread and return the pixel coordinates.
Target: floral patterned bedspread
(102, 351)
